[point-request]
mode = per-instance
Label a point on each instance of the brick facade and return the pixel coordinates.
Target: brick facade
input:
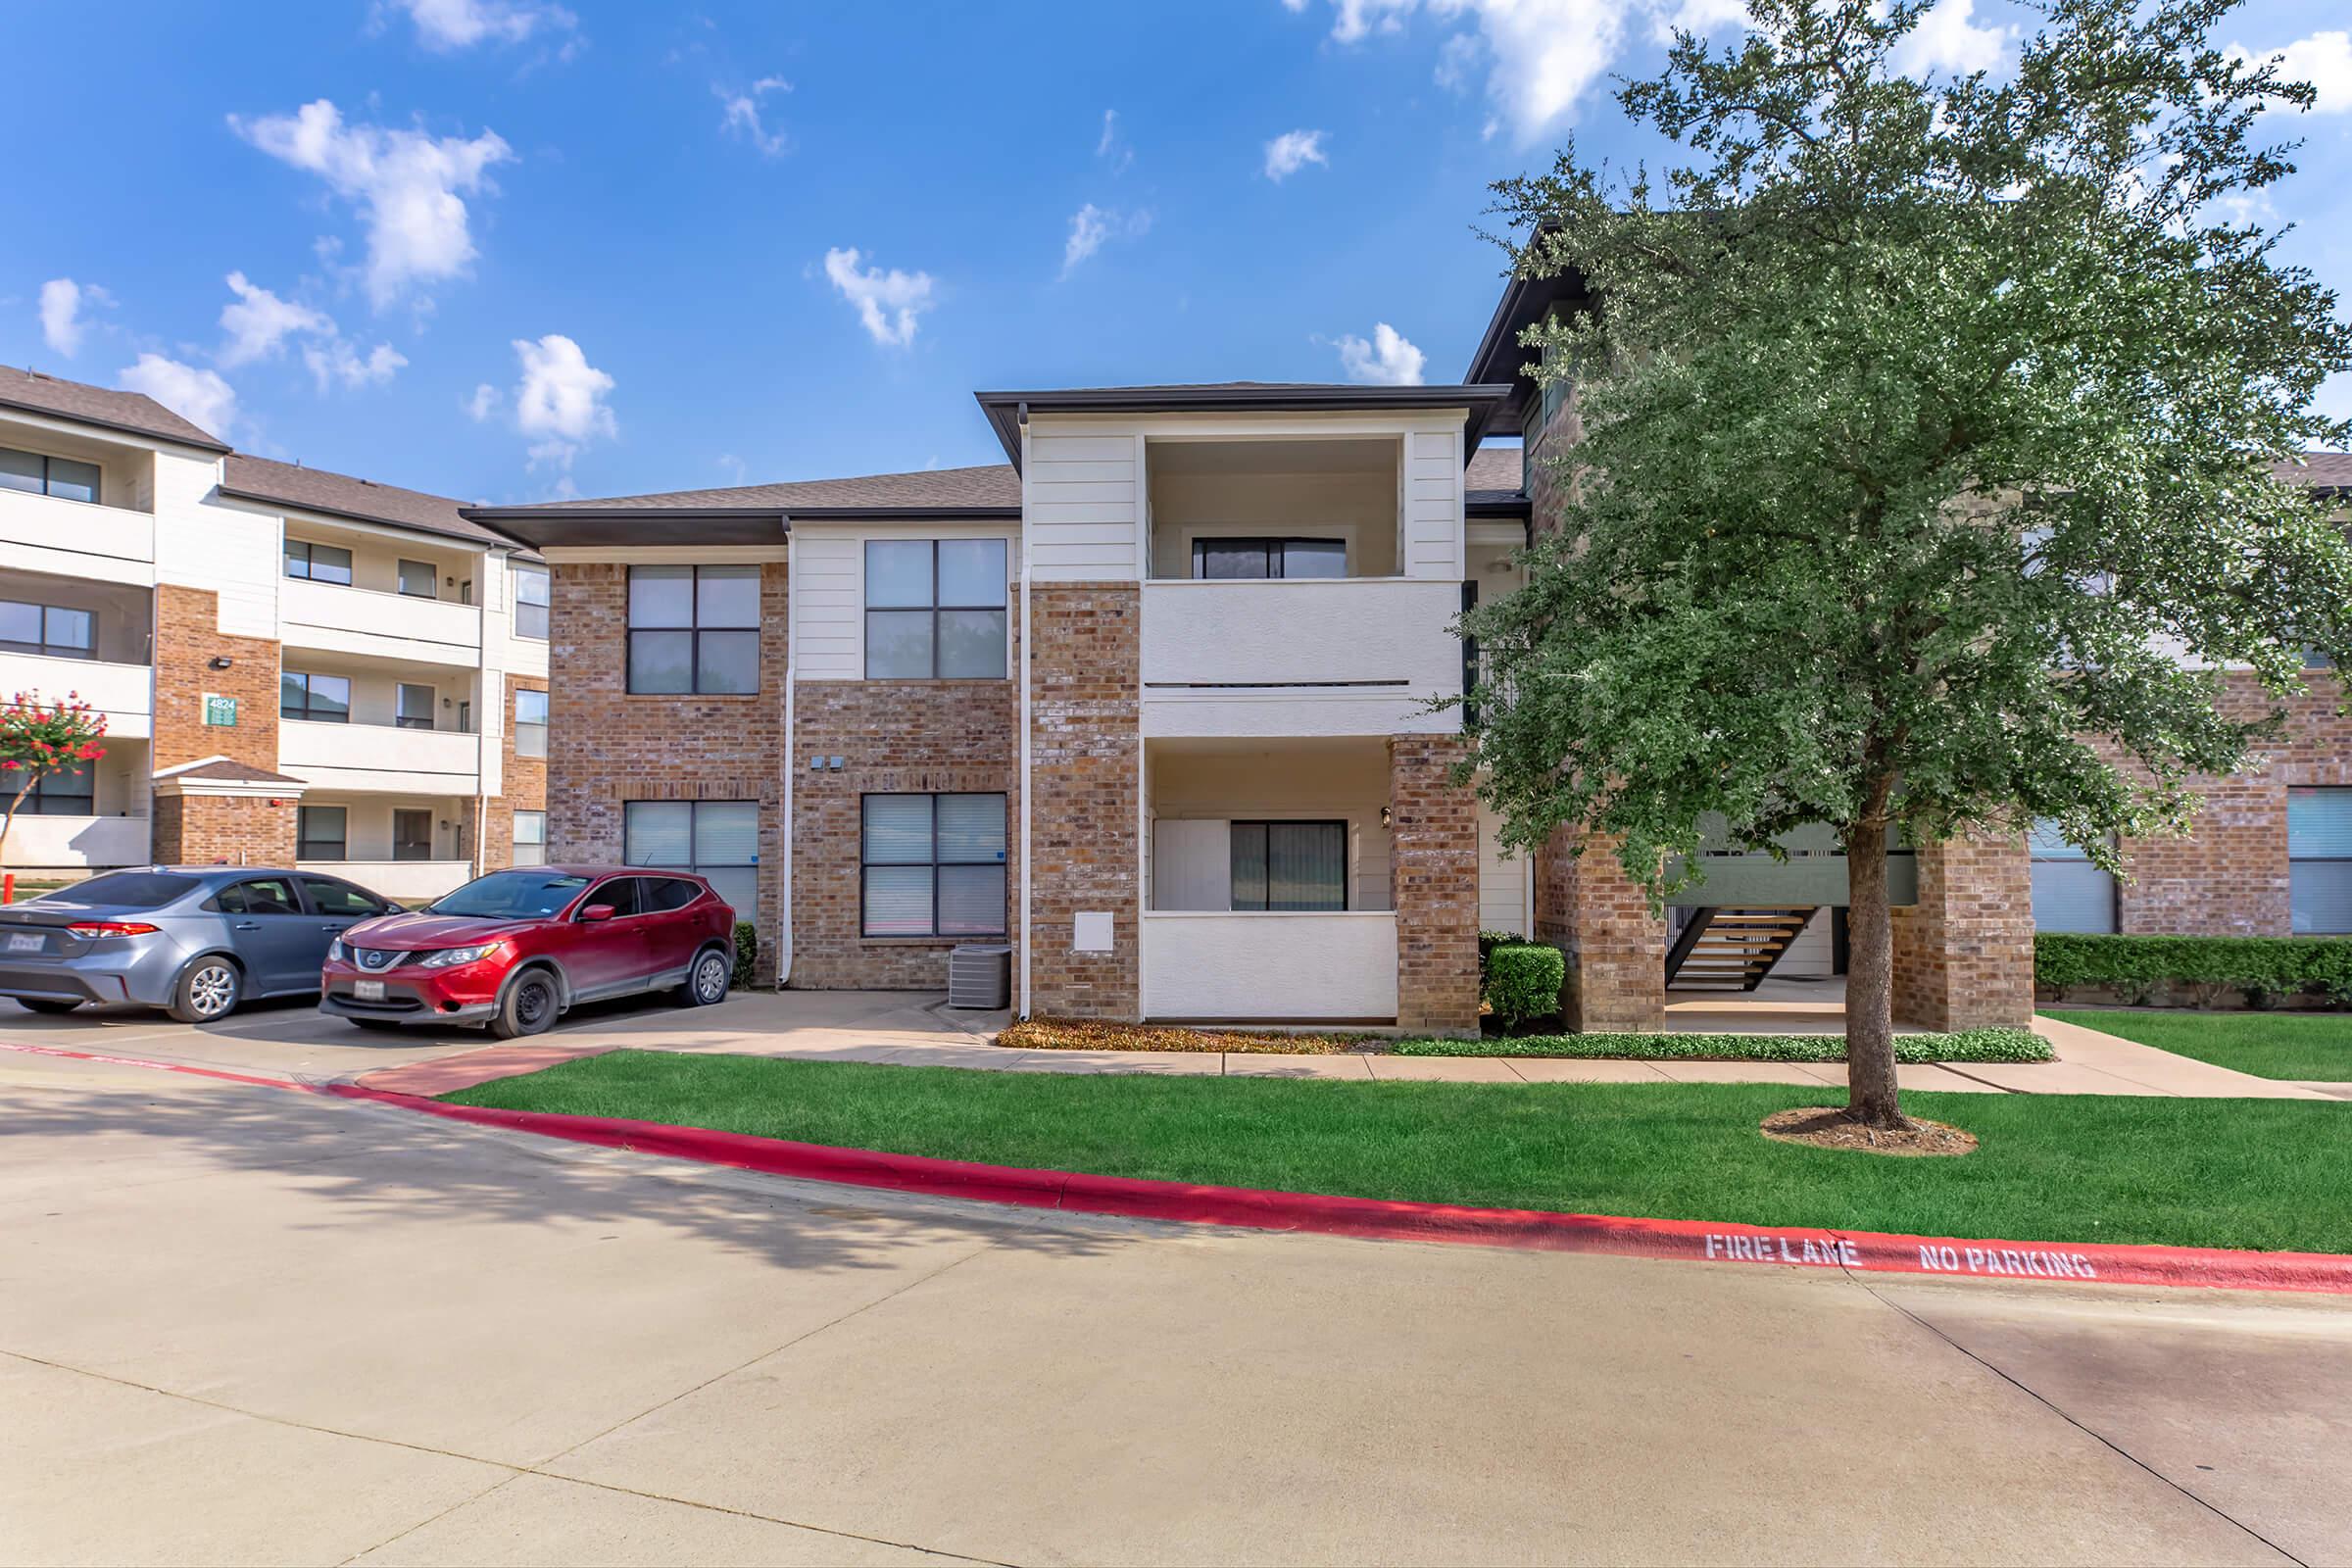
(1433, 826)
(1600, 918)
(523, 785)
(196, 829)
(1964, 951)
(894, 737)
(607, 748)
(1086, 760)
(187, 639)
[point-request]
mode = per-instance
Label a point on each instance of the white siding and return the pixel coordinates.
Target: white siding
(1433, 505)
(1501, 880)
(231, 552)
(1270, 967)
(827, 644)
(1078, 502)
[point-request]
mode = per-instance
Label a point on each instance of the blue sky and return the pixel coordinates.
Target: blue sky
(509, 249)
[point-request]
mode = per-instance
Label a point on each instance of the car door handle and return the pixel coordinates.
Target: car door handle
(249, 925)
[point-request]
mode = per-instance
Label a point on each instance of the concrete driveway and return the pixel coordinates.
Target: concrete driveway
(248, 1325)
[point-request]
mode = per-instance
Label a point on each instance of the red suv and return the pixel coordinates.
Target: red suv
(514, 949)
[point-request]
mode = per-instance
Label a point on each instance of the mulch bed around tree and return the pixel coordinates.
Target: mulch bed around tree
(1826, 1127)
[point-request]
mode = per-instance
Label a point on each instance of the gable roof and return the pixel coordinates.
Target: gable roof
(2319, 470)
(340, 495)
(132, 412)
(992, 484)
(1006, 410)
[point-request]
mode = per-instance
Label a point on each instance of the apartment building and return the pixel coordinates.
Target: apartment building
(295, 665)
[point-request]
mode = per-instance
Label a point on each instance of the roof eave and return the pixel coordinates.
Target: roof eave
(208, 444)
(727, 526)
(1007, 411)
(340, 515)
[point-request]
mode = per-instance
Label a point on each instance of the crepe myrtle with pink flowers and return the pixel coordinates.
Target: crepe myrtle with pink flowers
(42, 740)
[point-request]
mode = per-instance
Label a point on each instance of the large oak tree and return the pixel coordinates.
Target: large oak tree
(1928, 437)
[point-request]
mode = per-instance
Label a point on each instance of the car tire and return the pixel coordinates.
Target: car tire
(531, 1002)
(707, 980)
(207, 991)
(46, 1004)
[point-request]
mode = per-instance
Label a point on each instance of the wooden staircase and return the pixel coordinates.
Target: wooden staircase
(1731, 950)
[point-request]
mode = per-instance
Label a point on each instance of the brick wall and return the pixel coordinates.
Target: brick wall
(1964, 952)
(224, 829)
(523, 785)
(919, 737)
(1086, 742)
(1433, 827)
(187, 638)
(1616, 948)
(607, 748)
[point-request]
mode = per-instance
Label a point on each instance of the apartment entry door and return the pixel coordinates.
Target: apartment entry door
(412, 835)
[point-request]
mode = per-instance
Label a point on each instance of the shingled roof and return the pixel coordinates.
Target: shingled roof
(340, 495)
(992, 484)
(2320, 470)
(133, 412)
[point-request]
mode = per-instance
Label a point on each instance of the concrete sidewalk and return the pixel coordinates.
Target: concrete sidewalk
(838, 1026)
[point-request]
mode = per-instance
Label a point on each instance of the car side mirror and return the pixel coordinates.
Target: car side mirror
(597, 911)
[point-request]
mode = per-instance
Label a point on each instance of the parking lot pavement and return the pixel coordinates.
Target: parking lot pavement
(240, 1323)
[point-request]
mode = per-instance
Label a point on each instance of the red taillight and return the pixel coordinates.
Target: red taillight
(112, 928)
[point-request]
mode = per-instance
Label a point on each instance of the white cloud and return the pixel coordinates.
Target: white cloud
(1091, 227)
(483, 402)
(62, 325)
(461, 24)
(740, 114)
(407, 186)
(1292, 151)
(1455, 58)
(1947, 39)
(1110, 147)
(338, 359)
(560, 402)
(1702, 17)
(257, 324)
(888, 303)
(1389, 359)
(200, 397)
(1359, 17)
(2324, 60)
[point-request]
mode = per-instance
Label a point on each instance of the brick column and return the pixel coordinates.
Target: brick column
(1964, 951)
(187, 639)
(1086, 779)
(1432, 829)
(1616, 950)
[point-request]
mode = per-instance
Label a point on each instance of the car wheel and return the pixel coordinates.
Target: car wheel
(208, 990)
(706, 982)
(46, 1004)
(529, 1006)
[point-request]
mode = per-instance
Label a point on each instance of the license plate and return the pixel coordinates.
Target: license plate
(24, 942)
(368, 990)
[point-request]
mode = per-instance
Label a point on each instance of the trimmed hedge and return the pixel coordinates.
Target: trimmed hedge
(2135, 967)
(1971, 1044)
(1523, 981)
(747, 953)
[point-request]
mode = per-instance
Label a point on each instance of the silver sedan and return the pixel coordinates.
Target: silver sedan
(194, 939)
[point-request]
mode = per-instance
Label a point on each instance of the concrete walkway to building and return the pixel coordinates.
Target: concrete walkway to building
(908, 1029)
(241, 1325)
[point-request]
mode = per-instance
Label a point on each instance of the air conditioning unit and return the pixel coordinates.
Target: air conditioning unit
(980, 978)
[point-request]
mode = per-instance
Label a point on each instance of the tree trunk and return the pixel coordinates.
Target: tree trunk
(1869, 982)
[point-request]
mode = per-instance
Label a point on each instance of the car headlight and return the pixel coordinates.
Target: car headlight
(446, 958)
(336, 951)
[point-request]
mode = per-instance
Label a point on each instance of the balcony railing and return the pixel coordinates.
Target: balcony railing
(1325, 655)
(409, 882)
(122, 692)
(117, 534)
(78, 842)
(371, 622)
(381, 758)
(1270, 967)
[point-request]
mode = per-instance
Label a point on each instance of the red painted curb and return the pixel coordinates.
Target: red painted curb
(161, 1066)
(1387, 1220)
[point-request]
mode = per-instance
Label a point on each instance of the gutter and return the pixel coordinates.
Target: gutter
(792, 579)
(1028, 637)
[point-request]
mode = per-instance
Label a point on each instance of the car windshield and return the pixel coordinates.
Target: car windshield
(124, 890)
(509, 895)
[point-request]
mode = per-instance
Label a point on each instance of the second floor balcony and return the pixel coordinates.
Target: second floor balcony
(379, 623)
(380, 758)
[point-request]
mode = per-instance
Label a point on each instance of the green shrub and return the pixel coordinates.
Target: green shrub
(1971, 1044)
(2136, 968)
(1523, 981)
(747, 953)
(1488, 942)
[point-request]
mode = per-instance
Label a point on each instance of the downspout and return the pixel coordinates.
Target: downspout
(792, 578)
(1028, 636)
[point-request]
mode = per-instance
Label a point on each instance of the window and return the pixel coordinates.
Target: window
(1235, 559)
(2319, 861)
(270, 895)
(694, 629)
(319, 833)
(530, 838)
(340, 900)
(320, 699)
(935, 610)
(1289, 866)
(933, 865)
(61, 477)
(717, 840)
(127, 890)
(530, 724)
(659, 895)
(412, 706)
(73, 794)
(412, 835)
(419, 579)
(51, 629)
(2069, 893)
(464, 716)
(620, 895)
(530, 602)
(318, 563)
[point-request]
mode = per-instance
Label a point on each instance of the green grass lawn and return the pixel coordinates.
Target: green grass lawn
(2270, 1174)
(2312, 1045)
